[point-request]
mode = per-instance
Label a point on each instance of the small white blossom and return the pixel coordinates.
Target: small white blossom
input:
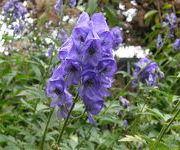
(131, 52)
(130, 14)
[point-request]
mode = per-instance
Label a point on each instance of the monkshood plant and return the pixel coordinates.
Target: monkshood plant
(86, 61)
(16, 13)
(60, 5)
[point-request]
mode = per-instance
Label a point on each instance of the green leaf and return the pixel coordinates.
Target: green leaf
(111, 15)
(167, 6)
(130, 138)
(92, 6)
(150, 14)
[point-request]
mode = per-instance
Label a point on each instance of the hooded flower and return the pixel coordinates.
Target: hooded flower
(92, 50)
(79, 37)
(99, 23)
(117, 37)
(106, 43)
(72, 71)
(56, 89)
(91, 92)
(81, 31)
(106, 69)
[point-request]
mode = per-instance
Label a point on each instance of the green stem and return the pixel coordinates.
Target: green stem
(45, 130)
(159, 10)
(164, 129)
(67, 118)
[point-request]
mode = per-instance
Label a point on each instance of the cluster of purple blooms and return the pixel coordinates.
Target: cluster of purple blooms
(59, 5)
(87, 61)
(171, 22)
(147, 71)
(15, 10)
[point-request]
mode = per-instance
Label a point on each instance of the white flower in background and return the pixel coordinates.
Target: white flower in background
(29, 20)
(25, 3)
(2, 48)
(81, 8)
(48, 41)
(54, 33)
(65, 18)
(72, 20)
(131, 52)
(130, 14)
(133, 2)
(6, 53)
(121, 6)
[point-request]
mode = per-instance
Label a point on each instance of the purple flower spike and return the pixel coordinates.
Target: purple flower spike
(147, 72)
(171, 22)
(159, 43)
(177, 45)
(14, 8)
(86, 60)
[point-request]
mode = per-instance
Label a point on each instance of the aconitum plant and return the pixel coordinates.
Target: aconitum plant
(15, 10)
(147, 71)
(87, 61)
(59, 5)
(171, 22)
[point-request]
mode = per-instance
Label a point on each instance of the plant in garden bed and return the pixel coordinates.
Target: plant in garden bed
(143, 114)
(86, 60)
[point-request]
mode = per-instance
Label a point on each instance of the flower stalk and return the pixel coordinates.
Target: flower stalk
(66, 120)
(45, 130)
(164, 129)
